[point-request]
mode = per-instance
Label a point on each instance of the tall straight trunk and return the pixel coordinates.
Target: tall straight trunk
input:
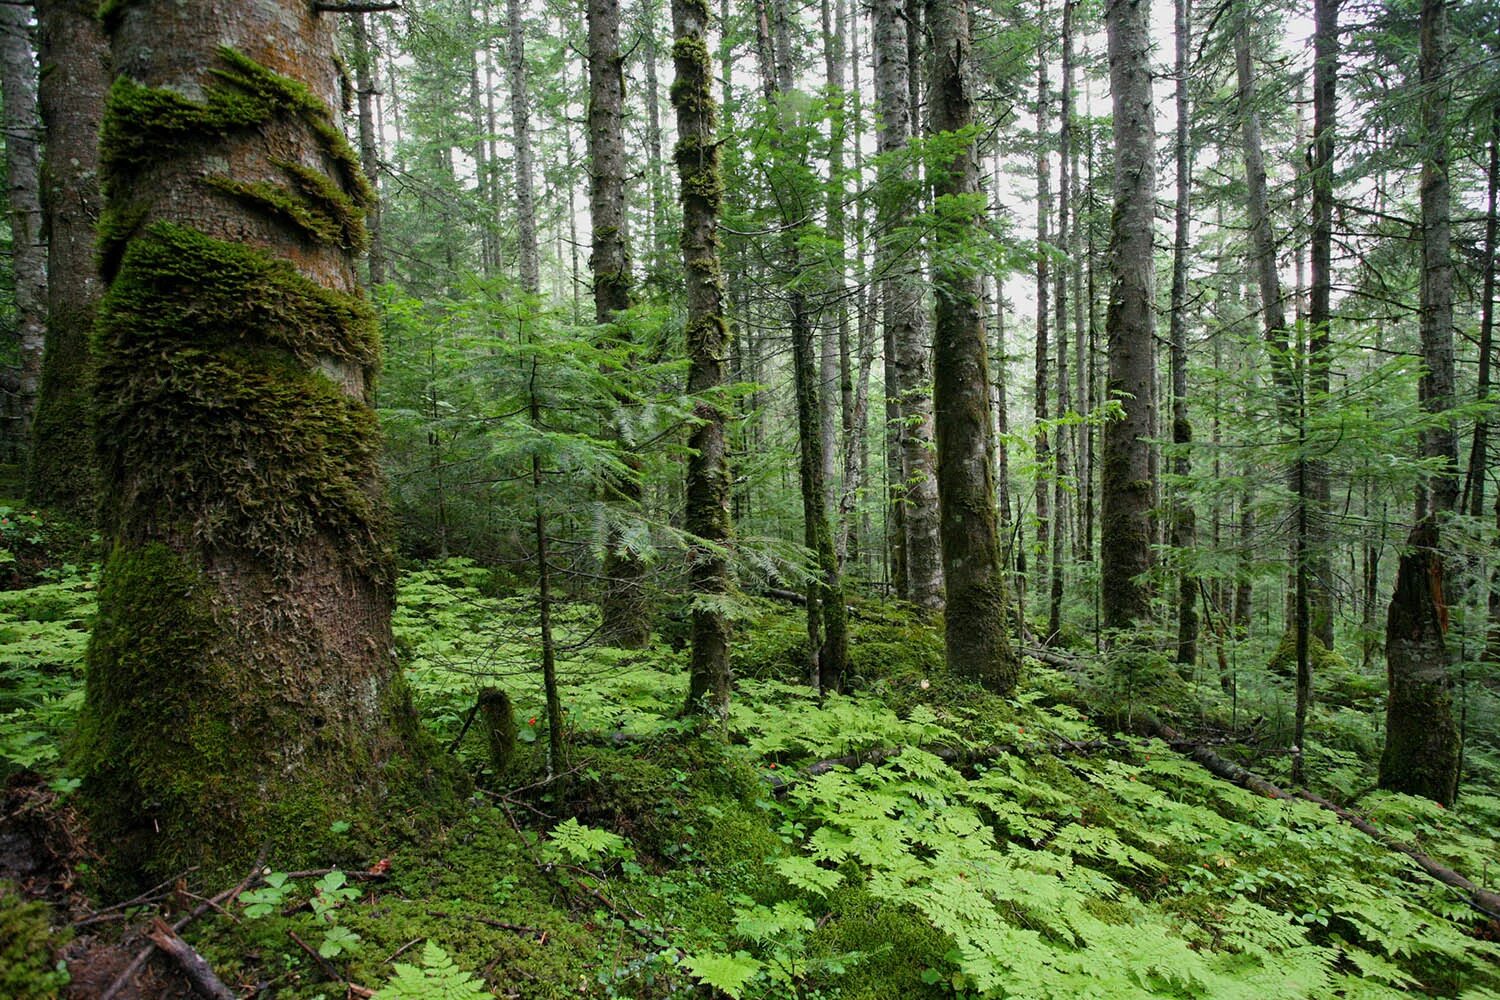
(1183, 519)
(707, 514)
(480, 146)
(529, 265)
(74, 56)
(1074, 246)
(369, 154)
(1044, 463)
(624, 608)
(1422, 751)
(654, 172)
(853, 518)
(834, 377)
(826, 627)
(242, 677)
(978, 647)
(18, 86)
(1060, 492)
(1125, 544)
(907, 364)
(1091, 384)
(1320, 311)
(1479, 454)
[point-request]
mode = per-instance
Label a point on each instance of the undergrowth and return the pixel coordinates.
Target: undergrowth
(989, 849)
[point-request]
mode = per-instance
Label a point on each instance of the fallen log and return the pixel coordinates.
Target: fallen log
(1480, 898)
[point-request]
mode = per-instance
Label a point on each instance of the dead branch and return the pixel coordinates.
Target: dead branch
(193, 965)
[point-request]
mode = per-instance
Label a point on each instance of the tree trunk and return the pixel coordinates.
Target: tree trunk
(654, 172)
(978, 647)
(1320, 311)
(74, 56)
(529, 265)
(907, 360)
(707, 514)
(1060, 492)
(242, 679)
(1422, 750)
(369, 156)
(18, 87)
(1421, 755)
(1044, 463)
(624, 608)
(1183, 520)
(1125, 545)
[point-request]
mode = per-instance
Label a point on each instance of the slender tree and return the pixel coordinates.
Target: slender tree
(74, 57)
(1183, 520)
(626, 616)
(907, 367)
(1125, 542)
(707, 513)
(529, 262)
(369, 148)
(241, 672)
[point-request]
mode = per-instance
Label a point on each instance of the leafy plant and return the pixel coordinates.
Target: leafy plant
(437, 979)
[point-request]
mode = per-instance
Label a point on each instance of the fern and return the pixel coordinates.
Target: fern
(438, 979)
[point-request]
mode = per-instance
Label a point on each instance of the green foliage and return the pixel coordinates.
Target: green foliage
(30, 968)
(438, 979)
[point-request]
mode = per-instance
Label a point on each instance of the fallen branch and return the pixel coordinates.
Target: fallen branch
(193, 965)
(487, 921)
(1480, 898)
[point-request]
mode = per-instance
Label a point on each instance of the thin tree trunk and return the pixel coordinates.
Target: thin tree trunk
(907, 355)
(655, 174)
(369, 154)
(1045, 471)
(708, 482)
(626, 616)
(978, 647)
(1127, 484)
(520, 118)
(18, 88)
(1183, 520)
(73, 49)
(1320, 311)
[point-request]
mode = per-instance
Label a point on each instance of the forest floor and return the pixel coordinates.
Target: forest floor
(962, 845)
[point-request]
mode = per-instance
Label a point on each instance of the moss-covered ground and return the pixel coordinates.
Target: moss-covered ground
(988, 858)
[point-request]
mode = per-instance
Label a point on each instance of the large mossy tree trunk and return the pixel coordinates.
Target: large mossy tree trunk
(28, 245)
(242, 688)
(1128, 488)
(707, 514)
(978, 647)
(74, 56)
(623, 608)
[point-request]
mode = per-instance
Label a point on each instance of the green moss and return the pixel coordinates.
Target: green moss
(895, 945)
(30, 968)
(60, 467)
(213, 407)
(1323, 661)
(141, 123)
(312, 203)
(112, 11)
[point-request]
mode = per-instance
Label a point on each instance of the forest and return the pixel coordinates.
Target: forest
(751, 499)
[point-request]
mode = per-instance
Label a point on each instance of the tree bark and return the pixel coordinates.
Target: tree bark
(978, 647)
(1184, 523)
(241, 675)
(18, 100)
(369, 155)
(624, 607)
(528, 262)
(74, 56)
(1045, 470)
(707, 514)
(1125, 544)
(907, 360)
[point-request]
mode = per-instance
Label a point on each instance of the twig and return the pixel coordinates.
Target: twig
(372, 7)
(487, 921)
(194, 965)
(323, 963)
(144, 954)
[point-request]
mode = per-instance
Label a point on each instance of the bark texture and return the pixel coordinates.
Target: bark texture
(1184, 522)
(369, 147)
(74, 56)
(18, 88)
(1127, 486)
(978, 647)
(242, 681)
(528, 262)
(907, 368)
(626, 616)
(701, 193)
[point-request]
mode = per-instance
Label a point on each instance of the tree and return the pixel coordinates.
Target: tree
(907, 349)
(707, 514)
(369, 154)
(626, 618)
(1422, 748)
(1127, 485)
(241, 673)
(18, 87)
(74, 57)
(978, 647)
(1183, 520)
